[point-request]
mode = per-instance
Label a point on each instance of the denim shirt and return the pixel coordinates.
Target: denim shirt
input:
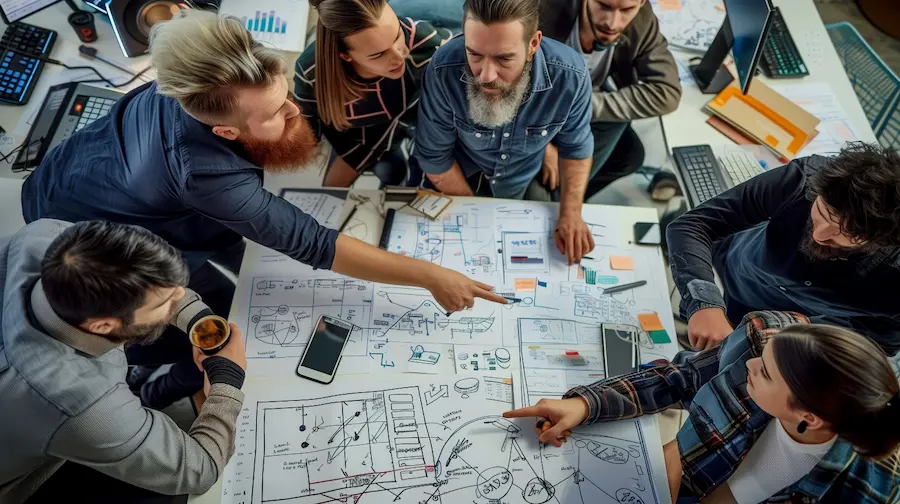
(556, 108)
(724, 422)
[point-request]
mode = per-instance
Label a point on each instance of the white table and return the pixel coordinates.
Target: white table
(625, 216)
(687, 125)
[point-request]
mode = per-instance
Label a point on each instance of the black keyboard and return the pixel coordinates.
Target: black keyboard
(21, 48)
(700, 172)
(781, 58)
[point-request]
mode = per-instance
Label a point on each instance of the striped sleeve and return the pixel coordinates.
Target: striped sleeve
(305, 90)
(423, 39)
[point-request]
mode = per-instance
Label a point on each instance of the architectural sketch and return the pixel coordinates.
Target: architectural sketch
(411, 315)
(283, 311)
(423, 444)
(461, 240)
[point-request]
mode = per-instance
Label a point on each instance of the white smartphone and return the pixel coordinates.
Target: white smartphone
(621, 353)
(323, 351)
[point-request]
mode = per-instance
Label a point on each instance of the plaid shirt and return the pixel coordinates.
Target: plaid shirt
(724, 422)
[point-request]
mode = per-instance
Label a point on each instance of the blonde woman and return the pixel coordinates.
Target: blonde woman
(358, 84)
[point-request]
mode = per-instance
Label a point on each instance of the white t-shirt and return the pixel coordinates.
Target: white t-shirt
(776, 461)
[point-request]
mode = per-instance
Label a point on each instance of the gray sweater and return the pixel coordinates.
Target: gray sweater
(63, 397)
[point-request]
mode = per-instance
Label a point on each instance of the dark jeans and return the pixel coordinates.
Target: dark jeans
(75, 482)
(617, 152)
(184, 379)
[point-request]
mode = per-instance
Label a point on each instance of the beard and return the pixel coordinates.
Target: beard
(287, 154)
(139, 334)
(815, 251)
(495, 111)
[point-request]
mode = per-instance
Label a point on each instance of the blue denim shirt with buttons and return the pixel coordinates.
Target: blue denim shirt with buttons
(556, 108)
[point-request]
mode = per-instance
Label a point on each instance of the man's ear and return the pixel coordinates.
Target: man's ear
(102, 326)
(533, 45)
(227, 132)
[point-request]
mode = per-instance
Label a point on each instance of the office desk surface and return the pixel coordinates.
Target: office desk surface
(625, 216)
(687, 125)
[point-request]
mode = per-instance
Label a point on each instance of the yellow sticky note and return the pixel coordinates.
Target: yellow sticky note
(621, 263)
(650, 322)
(720, 7)
(667, 5)
(507, 381)
(526, 284)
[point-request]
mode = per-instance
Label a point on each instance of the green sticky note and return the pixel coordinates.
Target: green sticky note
(660, 336)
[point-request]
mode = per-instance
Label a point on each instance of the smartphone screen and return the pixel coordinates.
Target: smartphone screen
(324, 348)
(647, 233)
(620, 352)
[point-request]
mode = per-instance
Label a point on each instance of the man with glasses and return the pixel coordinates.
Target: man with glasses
(633, 76)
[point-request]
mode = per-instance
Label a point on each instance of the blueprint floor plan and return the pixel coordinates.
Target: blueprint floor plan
(441, 441)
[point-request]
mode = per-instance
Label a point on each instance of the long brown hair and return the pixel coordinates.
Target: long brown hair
(334, 87)
(846, 380)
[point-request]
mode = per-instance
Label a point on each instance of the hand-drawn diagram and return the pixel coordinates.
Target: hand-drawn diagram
(462, 240)
(420, 445)
(411, 315)
(422, 356)
(691, 24)
(475, 359)
(284, 310)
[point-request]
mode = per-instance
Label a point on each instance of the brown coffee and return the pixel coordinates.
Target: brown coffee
(209, 333)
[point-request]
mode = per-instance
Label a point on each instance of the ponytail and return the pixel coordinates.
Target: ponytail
(846, 380)
(335, 87)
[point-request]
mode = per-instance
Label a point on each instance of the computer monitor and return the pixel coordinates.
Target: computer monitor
(744, 33)
(14, 10)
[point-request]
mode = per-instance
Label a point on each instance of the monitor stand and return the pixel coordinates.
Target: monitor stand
(710, 74)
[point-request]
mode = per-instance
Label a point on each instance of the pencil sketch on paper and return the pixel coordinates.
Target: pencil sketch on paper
(443, 442)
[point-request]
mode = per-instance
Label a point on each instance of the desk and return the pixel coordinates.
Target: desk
(687, 125)
(65, 49)
(623, 216)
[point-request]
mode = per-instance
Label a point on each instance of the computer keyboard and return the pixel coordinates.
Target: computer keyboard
(91, 109)
(699, 171)
(21, 48)
(741, 166)
(781, 58)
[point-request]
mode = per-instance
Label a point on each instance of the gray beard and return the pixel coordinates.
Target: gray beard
(494, 113)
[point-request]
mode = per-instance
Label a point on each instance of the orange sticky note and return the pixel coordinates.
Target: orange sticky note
(508, 381)
(650, 322)
(526, 284)
(670, 5)
(720, 7)
(621, 263)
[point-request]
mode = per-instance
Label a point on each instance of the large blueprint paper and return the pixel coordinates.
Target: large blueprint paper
(440, 441)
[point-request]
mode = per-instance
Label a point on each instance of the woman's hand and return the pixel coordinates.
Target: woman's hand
(563, 415)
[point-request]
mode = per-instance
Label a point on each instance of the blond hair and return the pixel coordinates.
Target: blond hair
(334, 88)
(202, 58)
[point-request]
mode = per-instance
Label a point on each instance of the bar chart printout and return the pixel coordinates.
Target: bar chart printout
(278, 23)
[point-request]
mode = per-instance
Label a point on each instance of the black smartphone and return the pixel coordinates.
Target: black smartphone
(621, 354)
(647, 233)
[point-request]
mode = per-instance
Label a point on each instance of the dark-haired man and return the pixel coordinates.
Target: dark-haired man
(633, 73)
(493, 100)
(820, 236)
(73, 295)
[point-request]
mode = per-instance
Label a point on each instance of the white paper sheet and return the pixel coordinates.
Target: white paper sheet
(441, 440)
